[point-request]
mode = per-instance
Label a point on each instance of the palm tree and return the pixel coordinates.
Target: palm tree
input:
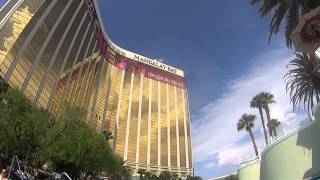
(302, 82)
(267, 98)
(273, 124)
(247, 122)
(287, 12)
(256, 102)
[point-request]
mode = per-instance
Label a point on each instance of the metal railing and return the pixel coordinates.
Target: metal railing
(287, 134)
(249, 162)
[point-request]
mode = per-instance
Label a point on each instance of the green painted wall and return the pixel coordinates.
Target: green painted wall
(251, 172)
(295, 158)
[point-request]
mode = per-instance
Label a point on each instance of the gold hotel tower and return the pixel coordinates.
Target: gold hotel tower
(57, 51)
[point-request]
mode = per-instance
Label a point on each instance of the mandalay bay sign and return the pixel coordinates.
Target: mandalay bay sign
(104, 42)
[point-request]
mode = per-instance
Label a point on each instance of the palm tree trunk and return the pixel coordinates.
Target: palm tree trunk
(253, 142)
(263, 125)
(267, 110)
(274, 132)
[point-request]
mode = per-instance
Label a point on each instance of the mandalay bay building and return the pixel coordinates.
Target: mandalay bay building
(57, 51)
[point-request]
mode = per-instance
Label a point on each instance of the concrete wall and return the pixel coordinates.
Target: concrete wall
(294, 157)
(251, 171)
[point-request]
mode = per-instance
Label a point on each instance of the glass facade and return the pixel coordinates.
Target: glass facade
(57, 53)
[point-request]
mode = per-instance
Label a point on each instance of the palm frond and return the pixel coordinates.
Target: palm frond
(302, 84)
(277, 18)
(246, 122)
(284, 12)
(274, 123)
(292, 20)
(268, 6)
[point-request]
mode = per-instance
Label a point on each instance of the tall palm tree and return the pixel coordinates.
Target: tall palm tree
(256, 102)
(247, 122)
(267, 98)
(285, 12)
(273, 124)
(302, 82)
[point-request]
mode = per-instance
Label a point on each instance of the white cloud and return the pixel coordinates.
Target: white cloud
(214, 127)
(209, 165)
(235, 154)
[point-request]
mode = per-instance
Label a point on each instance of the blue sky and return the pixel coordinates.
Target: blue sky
(2, 2)
(222, 46)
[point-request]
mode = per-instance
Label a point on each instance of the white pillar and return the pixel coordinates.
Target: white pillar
(159, 125)
(102, 69)
(168, 128)
(185, 128)
(149, 124)
(104, 123)
(177, 129)
(118, 111)
(128, 120)
(139, 123)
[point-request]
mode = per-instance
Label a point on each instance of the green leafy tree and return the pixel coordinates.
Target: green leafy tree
(257, 102)
(120, 171)
(285, 12)
(267, 99)
(247, 122)
(302, 83)
(3, 85)
(80, 150)
(66, 143)
(273, 124)
(24, 127)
